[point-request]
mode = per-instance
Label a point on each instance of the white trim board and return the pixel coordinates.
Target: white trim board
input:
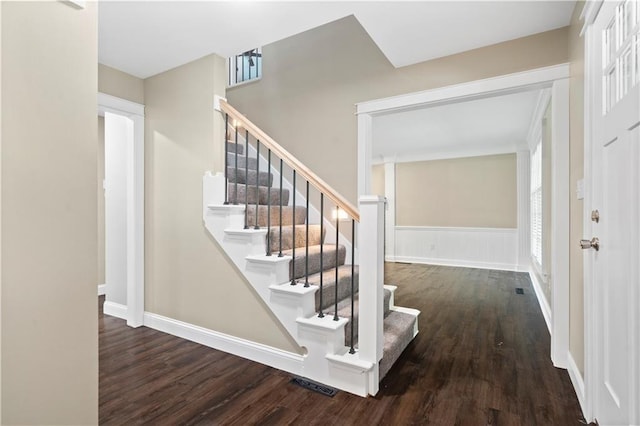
(102, 289)
(540, 77)
(542, 300)
(115, 310)
(118, 105)
(577, 381)
(267, 355)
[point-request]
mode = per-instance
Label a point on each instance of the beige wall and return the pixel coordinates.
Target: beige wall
(576, 171)
(49, 141)
(187, 275)
(101, 254)
(463, 192)
(311, 81)
(377, 180)
(120, 84)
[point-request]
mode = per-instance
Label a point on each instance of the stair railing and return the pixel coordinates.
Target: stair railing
(371, 317)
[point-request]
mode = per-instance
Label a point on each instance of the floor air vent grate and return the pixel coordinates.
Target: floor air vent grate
(519, 290)
(314, 386)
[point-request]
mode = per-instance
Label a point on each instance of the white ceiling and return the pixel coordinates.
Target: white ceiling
(146, 38)
(492, 125)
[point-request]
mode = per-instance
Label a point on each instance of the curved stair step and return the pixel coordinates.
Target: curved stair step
(398, 333)
(274, 212)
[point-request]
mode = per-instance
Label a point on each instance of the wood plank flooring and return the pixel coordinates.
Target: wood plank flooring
(481, 358)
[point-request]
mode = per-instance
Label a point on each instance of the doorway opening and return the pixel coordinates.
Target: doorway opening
(554, 80)
(123, 192)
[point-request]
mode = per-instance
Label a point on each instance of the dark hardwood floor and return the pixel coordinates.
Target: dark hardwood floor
(481, 358)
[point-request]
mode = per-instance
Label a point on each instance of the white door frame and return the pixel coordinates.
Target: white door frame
(135, 204)
(554, 77)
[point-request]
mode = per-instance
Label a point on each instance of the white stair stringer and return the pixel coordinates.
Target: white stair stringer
(326, 359)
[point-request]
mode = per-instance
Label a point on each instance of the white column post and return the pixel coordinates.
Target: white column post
(371, 293)
(365, 144)
(390, 225)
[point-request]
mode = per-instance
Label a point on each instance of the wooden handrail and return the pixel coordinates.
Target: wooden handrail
(291, 161)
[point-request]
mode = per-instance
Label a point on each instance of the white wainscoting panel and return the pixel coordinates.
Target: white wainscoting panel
(489, 248)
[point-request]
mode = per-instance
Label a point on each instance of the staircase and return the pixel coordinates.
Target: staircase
(305, 272)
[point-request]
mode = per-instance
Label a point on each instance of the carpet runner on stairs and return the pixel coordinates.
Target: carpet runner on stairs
(398, 326)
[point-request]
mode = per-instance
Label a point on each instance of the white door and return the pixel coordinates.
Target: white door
(615, 159)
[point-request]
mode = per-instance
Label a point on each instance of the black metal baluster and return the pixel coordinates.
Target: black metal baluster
(353, 261)
(335, 314)
(226, 158)
(321, 314)
(306, 259)
(246, 180)
(268, 203)
(257, 181)
(280, 243)
(235, 173)
(293, 227)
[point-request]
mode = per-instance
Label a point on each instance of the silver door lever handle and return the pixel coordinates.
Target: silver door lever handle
(592, 243)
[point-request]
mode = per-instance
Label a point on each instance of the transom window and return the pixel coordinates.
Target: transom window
(621, 53)
(245, 67)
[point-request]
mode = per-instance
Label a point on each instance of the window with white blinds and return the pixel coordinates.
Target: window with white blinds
(536, 204)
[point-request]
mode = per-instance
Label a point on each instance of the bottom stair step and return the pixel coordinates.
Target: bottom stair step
(398, 333)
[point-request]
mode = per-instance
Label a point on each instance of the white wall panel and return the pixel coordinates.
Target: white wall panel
(494, 248)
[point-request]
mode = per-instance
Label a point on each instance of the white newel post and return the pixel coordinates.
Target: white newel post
(371, 293)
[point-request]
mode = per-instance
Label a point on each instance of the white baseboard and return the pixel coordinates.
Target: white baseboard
(457, 263)
(578, 383)
(102, 289)
(115, 310)
(267, 355)
(542, 301)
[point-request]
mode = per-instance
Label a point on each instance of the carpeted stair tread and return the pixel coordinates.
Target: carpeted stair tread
(259, 197)
(274, 212)
(315, 238)
(252, 162)
(328, 262)
(398, 333)
(242, 175)
(233, 147)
